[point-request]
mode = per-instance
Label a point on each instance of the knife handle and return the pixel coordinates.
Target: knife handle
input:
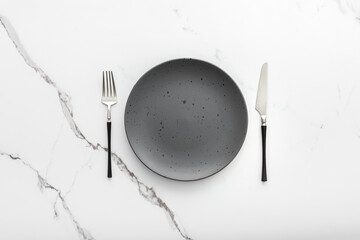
(263, 174)
(109, 172)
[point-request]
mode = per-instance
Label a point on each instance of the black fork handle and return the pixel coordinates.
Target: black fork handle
(109, 172)
(263, 174)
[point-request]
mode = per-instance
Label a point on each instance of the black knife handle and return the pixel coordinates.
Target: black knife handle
(109, 172)
(263, 174)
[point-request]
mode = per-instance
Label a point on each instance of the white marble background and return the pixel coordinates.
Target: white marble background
(53, 181)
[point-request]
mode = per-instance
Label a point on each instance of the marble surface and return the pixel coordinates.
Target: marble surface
(53, 181)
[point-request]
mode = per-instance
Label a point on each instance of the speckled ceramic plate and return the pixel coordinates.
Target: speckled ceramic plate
(186, 119)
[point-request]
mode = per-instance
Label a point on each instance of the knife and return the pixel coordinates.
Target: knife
(261, 108)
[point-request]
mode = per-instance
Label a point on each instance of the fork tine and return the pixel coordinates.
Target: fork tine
(103, 88)
(107, 84)
(113, 83)
(110, 85)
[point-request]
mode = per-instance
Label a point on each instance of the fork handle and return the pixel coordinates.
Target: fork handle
(109, 172)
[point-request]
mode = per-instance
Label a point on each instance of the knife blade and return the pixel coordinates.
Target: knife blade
(261, 104)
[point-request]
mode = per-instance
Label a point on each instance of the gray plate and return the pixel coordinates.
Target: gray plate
(186, 119)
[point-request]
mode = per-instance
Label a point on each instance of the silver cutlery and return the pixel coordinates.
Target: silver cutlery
(108, 98)
(261, 108)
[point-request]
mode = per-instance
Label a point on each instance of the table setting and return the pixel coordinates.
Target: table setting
(179, 119)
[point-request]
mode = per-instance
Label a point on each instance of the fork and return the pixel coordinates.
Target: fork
(109, 99)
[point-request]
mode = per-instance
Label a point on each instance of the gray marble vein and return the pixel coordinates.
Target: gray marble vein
(147, 192)
(218, 54)
(44, 184)
(351, 6)
(150, 194)
(185, 22)
(53, 149)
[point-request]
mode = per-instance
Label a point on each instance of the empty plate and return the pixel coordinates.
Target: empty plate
(186, 119)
